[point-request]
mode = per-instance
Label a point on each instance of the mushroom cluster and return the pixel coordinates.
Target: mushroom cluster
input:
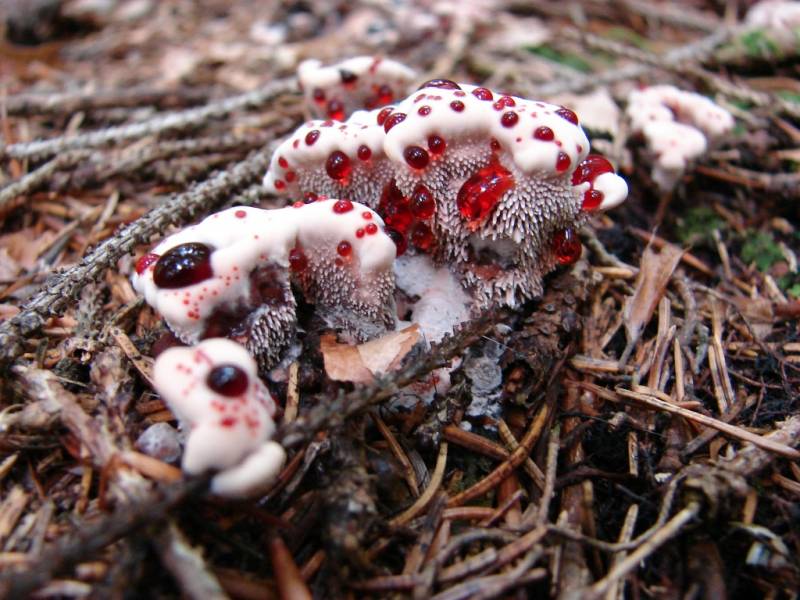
(231, 274)
(214, 390)
(678, 127)
(493, 185)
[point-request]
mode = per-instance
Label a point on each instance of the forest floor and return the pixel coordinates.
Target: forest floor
(645, 443)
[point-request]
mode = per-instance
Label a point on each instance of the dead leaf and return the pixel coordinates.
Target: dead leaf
(361, 363)
(759, 312)
(654, 272)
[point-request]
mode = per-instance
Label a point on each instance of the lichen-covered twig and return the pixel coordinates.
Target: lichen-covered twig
(159, 124)
(61, 290)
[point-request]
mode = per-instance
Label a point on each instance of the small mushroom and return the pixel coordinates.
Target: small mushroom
(214, 391)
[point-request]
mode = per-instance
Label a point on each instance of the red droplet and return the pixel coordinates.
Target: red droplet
(422, 203)
(295, 143)
(359, 233)
(364, 153)
(544, 134)
(393, 120)
(371, 229)
(336, 110)
(494, 145)
(228, 422)
(298, 261)
(566, 246)
(436, 144)
(592, 199)
(298, 204)
(279, 184)
(562, 162)
(457, 105)
(145, 261)
(344, 248)
(567, 114)
(424, 110)
(319, 96)
(590, 167)
(183, 265)
(383, 114)
(366, 215)
(399, 241)
(310, 197)
(422, 237)
(240, 214)
(416, 157)
(282, 162)
(385, 95)
(228, 380)
(444, 84)
(290, 175)
(481, 193)
(342, 206)
(503, 102)
(312, 136)
(395, 208)
(338, 165)
(509, 119)
(483, 93)
(348, 77)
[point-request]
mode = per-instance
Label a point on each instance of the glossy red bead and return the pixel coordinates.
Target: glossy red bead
(457, 105)
(483, 93)
(344, 248)
(312, 136)
(338, 165)
(298, 261)
(422, 203)
(509, 119)
(444, 84)
(342, 206)
(567, 114)
(228, 380)
(436, 144)
(422, 237)
(416, 157)
(562, 162)
(481, 193)
(544, 134)
(183, 265)
(566, 246)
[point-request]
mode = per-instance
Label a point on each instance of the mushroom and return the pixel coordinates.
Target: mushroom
(364, 81)
(214, 391)
(678, 127)
(230, 275)
(491, 184)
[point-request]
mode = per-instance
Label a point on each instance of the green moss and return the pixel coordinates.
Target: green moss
(697, 224)
(572, 61)
(760, 248)
(757, 44)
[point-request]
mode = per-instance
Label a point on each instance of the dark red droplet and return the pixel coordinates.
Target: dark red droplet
(395, 208)
(399, 241)
(338, 165)
(422, 203)
(509, 119)
(562, 162)
(424, 110)
(393, 120)
(359, 233)
(364, 153)
(298, 261)
(145, 261)
(371, 229)
(282, 162)
(544, 134)
(309, 198)
(590, 167)
(342, 206)
(336, 110)
(592, 199)
(279, 184)
(319, 96)
(416, 157)
(566, 246)
(457, 105)
(228, 380)
(483, 93)
(348, 77)
(312, 136)
(183, 265)
(384, 95)
(383, 114)
(344, 248)
(494, 145)
(290, 176)
(567, 114)
(480, 194)
(436, 144)
(443, 84)
(422, 237)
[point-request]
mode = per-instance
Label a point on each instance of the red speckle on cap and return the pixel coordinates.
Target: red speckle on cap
(240, 214)
(366, 215)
